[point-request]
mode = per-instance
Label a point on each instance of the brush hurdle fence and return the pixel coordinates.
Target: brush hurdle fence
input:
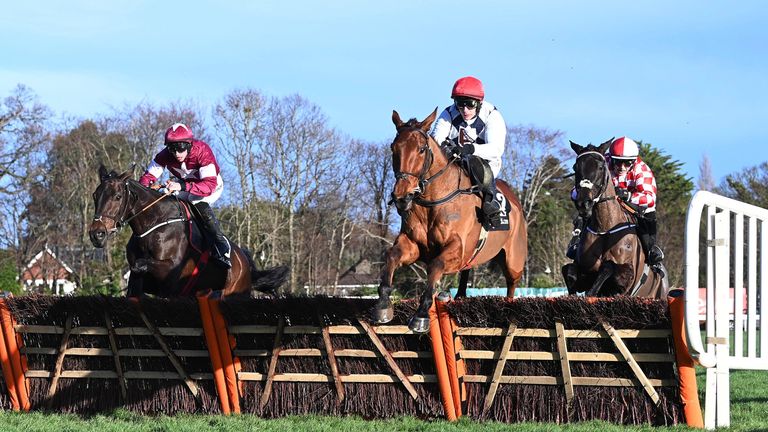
(736, 271)
(558, 360)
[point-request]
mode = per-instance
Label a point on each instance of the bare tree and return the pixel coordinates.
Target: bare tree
(531, 161)
(240, 126)
(706, 180)
(143, 127)
(377, 179)
(24, 135)
(304, 152)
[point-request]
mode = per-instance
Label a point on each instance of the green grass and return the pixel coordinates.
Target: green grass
(749, 412)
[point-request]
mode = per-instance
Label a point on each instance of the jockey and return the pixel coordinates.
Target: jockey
(197, 179)
(474, 130)
(636, 186)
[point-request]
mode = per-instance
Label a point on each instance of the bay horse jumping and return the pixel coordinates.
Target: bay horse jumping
(610, 259)
(439, 210)
(163, 257)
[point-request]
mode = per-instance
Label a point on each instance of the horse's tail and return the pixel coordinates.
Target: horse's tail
(268, 280)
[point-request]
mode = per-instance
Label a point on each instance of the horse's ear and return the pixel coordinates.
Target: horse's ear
(103, 173)
(577, 148)
(396, 119)
(604, 146)
(128, 173)
(427, 123)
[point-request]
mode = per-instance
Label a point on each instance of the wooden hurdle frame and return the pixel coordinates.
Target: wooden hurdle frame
(447, 353)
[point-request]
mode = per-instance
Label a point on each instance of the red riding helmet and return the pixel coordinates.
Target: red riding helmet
(623, 148)
(179, 132)
(470, 87)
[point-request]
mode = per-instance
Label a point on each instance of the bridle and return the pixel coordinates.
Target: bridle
(429, 157)
(118, 219)
(421, 177)
(588, 184)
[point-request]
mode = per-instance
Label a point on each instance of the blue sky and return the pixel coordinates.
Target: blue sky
(690, 77)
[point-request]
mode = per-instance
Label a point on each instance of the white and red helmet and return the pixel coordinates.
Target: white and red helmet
(469, 87)
(623, 148)
(179, 132)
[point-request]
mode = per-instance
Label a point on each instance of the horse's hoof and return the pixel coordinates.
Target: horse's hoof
(382, 316)
(419, 325)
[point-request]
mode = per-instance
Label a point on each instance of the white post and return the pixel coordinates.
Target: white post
(722, 308)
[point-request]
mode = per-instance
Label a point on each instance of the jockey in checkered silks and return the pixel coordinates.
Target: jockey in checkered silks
(636, 186)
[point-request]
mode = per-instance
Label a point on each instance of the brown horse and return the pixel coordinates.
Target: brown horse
(439, 210)
(164, 260)
(610, 259)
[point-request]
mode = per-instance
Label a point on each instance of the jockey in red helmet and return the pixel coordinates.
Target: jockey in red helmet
(636, 186)
(197, 179)
(474, 131)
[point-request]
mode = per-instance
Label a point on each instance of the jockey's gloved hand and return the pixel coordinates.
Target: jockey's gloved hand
(451, 148)
(623, 194)
(467, 149)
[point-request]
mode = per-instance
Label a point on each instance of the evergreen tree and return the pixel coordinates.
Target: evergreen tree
(674, 192)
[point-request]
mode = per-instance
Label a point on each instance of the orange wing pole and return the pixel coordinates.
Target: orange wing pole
(685, 366)
(213, 352)
(441, 367)
(5, 361)
(227, 363)
(446, 331)
(9, 335)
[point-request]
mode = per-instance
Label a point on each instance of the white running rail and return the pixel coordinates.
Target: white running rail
(736, 261)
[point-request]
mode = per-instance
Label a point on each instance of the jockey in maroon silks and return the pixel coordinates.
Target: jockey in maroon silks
(636, 186)
(195, 178)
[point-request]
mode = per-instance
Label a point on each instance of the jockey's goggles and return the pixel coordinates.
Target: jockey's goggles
(178, 147)
(468, 103)
(622, 162)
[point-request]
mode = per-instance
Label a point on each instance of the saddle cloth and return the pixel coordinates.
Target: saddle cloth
(506, 207)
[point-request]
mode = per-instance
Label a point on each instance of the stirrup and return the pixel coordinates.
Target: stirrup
(222, 258)
(655, 255)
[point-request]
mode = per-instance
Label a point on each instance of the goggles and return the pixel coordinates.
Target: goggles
(468, 103)
(178, 147)
(623, 162)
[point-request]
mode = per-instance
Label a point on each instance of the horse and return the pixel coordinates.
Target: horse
(610, 258)
(439, 210)
(164, 257)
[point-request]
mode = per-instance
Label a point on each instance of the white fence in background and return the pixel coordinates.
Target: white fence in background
(736, 273)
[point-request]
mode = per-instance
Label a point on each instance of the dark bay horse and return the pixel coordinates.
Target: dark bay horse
(439, 221)
(610, 259)
(164, 260)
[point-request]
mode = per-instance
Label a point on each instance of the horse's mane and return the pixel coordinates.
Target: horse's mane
(412, 123)
(114, 174)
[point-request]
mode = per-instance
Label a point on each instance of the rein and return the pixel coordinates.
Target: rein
(120, 223)
(424, 182)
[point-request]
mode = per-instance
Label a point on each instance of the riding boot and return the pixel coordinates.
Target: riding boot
(648, 239)
(573, 245)
(491, 206)
(221, 246)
